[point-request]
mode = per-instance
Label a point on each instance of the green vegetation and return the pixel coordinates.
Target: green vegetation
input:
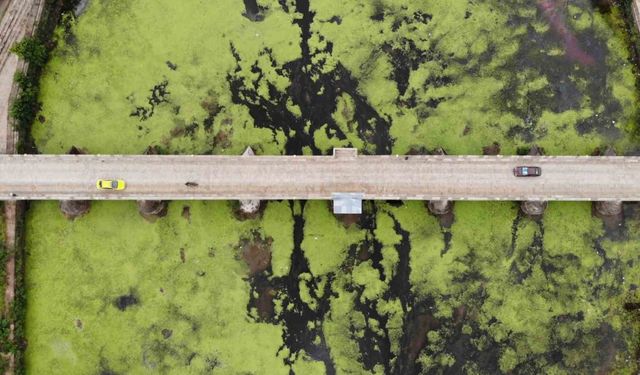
(25, 107)
(202, 300)
(34, 51)
(199, 115)
(31, 50)
(393, 292)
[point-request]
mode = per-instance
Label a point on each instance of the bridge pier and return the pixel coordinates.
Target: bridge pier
(491, 150)
(439, 151)
(152, 210)
(249, 207)
(534, 209)
(74, 209)
(440, 207)
(608, 209)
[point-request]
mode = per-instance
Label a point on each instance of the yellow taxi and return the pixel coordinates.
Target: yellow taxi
(103, 184)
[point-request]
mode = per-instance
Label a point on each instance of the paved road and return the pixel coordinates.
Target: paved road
(37, 177)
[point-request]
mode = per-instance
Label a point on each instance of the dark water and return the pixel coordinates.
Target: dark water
(317, 100)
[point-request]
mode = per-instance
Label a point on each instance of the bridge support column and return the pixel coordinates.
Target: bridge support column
(249, 207)
(74, 209)
(608, 208)
(152, 210)
(440, 207)
(609, 151)
(533, 208)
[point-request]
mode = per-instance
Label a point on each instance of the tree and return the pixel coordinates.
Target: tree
(25, 106)
(31, 50)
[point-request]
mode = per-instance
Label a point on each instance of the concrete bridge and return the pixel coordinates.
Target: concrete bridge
(344, 174)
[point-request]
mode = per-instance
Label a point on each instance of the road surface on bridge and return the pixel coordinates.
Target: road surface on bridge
(39, 177)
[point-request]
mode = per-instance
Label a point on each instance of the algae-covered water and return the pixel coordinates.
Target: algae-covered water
(298, 290)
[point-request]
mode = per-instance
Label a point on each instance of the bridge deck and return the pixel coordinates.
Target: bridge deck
(37, 177)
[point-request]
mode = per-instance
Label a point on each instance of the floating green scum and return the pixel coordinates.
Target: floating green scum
(395, 290)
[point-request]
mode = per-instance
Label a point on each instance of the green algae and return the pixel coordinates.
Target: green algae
(526, 313)
(532, 314)
(461, 35)
(104, 82)
(457, 45)
(91, 265)
(338, 328)
(277, 224)
(306, 365)
(326, 240)
(497, 283)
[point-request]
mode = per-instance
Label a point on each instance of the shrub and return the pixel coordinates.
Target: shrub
(31, 50)
(25, 107)
(21, 79)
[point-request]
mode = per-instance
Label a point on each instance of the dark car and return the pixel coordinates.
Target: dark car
(527, 171)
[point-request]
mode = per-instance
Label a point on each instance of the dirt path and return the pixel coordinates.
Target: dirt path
(14, 25)
(10, 219)
(3, 7)
(6, 85)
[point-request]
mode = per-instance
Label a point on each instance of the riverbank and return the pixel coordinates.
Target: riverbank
(22, 19)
